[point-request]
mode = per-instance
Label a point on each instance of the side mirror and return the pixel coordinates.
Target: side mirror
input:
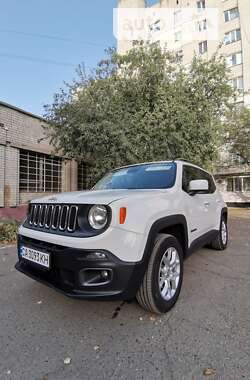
(198, 186)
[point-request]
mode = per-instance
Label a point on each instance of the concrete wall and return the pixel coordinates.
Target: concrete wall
(124, 46)
(244, 7)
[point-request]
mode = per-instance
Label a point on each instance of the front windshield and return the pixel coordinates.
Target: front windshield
(145, 176)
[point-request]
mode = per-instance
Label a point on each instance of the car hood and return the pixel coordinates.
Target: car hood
(94, 196)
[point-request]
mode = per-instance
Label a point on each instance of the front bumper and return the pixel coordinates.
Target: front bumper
(66, 265)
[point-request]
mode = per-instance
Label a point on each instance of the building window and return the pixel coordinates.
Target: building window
(238, 184)
(203, 47)
(235, 59)
(231, 14)
(201, 5)
(246, 184)
(40, 173)
(82, 176)
(177, 16)
(237, 83)
(155, 27)
(230, 184)
(232, 36)
(202, 25)
(178, 36)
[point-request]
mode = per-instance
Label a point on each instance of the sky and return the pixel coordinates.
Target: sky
(43, 41)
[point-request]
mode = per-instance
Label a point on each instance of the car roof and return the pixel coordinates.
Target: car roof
(144, 163)
(180, 160)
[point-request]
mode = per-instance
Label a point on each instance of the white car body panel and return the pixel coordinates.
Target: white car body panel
(144, 208)
(104, 197)
(126, 245)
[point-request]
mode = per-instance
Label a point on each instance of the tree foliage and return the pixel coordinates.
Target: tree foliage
(141, 106)
(238, 133)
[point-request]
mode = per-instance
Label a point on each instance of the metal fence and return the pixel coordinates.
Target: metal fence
(40, 173)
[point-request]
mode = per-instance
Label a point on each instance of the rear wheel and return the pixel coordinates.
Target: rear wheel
(221, 240)
(162, 282)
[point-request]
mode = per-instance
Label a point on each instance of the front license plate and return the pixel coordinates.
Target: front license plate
(38, 257)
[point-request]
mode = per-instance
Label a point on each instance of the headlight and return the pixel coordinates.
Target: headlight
(98, 217)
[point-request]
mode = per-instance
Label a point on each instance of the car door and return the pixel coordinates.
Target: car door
(197, 207)
(211, 203)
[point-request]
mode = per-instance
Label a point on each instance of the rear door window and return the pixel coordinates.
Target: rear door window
(190, 173)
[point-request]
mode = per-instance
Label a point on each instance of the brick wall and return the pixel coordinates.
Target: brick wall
(24, 131)
(24, 197)
(13, 213)
(11, 185)
(2, 151)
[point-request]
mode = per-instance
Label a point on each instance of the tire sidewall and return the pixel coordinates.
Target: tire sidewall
(163, 305)
(223, 219)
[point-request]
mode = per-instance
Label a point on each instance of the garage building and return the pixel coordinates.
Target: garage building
(28, 167)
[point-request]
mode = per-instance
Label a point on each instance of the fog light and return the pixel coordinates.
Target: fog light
(105, 274)
(95, 276)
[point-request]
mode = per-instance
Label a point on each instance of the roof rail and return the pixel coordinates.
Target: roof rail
(184, 160)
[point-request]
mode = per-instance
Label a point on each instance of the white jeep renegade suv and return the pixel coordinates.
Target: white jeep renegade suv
(126, 237)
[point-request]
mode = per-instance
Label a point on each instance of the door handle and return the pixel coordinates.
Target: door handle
(206, 203)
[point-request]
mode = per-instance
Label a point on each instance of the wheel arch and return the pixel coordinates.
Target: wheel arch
(175, 225)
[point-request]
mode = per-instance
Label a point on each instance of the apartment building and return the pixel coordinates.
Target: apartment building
(230, 37)
(28, 167)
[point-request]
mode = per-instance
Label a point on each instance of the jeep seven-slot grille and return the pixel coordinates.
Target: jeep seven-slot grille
(55, 217)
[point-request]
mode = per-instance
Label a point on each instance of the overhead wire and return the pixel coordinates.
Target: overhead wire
(44, 36)
(51, 37)
(36, 59)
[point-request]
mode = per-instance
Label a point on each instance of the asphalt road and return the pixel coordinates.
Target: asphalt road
(208, 328)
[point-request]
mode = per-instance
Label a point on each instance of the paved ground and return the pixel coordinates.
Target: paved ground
(208, 328)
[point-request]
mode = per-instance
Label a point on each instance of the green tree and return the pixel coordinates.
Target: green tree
(141, 106)
(238, 133)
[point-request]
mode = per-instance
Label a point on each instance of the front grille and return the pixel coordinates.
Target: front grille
(62, 219)
(55, 217)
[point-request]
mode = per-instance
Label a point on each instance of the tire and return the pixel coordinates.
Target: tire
(220, 242)
(157, 280)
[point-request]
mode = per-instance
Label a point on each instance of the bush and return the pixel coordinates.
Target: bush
(8, 232)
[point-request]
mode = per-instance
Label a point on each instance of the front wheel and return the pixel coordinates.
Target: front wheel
(162, 281)
(221, 240)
